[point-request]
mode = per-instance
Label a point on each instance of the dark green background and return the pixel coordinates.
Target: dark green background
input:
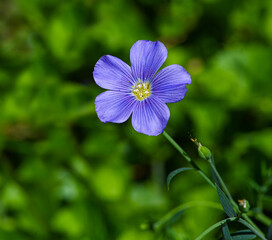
(66, 175)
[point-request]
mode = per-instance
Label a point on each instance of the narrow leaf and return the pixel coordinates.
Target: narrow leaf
(215, 178)
(176, 217)
(225, 203)
(269, 235)
(174, 173)
(169, 219)
(226, 233)
(242, 235)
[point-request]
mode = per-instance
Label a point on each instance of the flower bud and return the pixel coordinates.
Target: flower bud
(204, 152)
(243, 205)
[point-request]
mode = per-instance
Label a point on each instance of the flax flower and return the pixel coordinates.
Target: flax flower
(139, 90)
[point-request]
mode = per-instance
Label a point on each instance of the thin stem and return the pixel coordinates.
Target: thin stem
(221, 182)
(263, 218)
(206, 178)
(160, 223)
(185, 155)
(223, 185)
(216, 225)
(230, 197)
(252, 223)
(174, 143)
(259, 234)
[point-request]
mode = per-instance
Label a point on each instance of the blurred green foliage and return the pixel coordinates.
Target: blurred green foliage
(66, 175)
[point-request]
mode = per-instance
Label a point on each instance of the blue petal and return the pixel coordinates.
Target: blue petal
(113, 74)
(113, 106)
(146, 58)
(150, 116)
(170, 83)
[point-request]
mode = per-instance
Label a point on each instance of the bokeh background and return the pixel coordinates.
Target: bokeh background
(66, 175)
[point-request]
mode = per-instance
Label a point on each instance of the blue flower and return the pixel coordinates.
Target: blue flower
(138, 90)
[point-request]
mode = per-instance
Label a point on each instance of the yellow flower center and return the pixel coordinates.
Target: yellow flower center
(141, 90)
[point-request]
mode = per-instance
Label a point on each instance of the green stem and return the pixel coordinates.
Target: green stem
(259, 234)
(180, 150)
(223, 185)
(252, 223)
(263, 218)
(160, 223)
(230, 197)
(185, 155)
(216, 225)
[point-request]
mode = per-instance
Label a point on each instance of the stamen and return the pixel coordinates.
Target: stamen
(141, 90)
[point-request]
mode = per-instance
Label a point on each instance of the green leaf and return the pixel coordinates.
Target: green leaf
(174, 173)
(215, 178)
(243, 235)
(269, 235)
(226, 233)
(225, 203)
(169, 219)
(174, 214)
(176, 217)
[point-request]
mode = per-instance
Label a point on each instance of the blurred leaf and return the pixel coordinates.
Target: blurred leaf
(147, 196)
(13, 196)
(81, 167)
(225, 203)
(33, 170)
(226, 233)
(68, 221)
(173, 22)
(32, 223)
(174, 173)
(67, 187)
(134, 234)
(109, 183)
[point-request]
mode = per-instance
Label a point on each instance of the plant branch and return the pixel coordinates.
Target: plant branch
(235, 205)
(159, 224)
(254, 230)
(216, 225)
(185, 155)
